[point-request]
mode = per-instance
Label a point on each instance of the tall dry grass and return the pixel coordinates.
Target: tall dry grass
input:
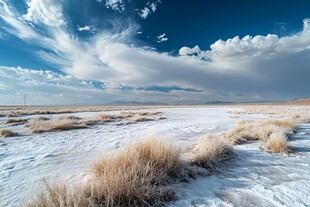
(272, 132)
(59, 195)
(40, 125)
(136, 175)
(210, 151)
(67, 122)
(277, 143)
(249, 130)
(139, 118)
(6, 133)
(11, 121)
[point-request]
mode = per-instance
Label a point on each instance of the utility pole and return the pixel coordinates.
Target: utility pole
(130, 97)
(96, 100)
(25, 100)
(75, 101)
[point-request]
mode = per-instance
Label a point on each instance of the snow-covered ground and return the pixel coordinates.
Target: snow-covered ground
(255, 178)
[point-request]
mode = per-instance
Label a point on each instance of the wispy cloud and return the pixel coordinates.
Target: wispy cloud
(161, 38)
(149, 9)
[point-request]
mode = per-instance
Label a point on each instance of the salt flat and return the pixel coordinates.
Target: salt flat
(255, 178)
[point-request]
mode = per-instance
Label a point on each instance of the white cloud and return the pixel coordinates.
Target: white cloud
(116, 5)
(148, 9)
(161, 38)
(247, 47)
(144, 12)
(189, 51)
(47, 12)
(88, 28)
(259, 66)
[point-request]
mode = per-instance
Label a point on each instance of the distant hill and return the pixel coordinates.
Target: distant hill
(135, 103)
(299, 101)
(220, 102)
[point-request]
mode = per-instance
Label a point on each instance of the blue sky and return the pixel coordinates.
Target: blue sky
(153, 51)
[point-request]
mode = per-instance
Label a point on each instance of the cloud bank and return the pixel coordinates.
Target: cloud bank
(252, 67)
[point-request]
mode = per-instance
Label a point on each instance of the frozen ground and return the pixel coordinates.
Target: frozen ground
(255, 178)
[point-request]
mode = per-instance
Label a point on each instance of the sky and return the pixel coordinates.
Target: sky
(64, 52)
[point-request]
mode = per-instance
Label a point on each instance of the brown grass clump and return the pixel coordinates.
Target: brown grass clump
(247, 130)
(210, 151)
(58, 196)
(136, 175)
(165, 157)
(301, 118)
(103, 118)
(242, 132)
(11, 121)
(70, 117)
(60, 123)
(288, 124)
(41, 118)
(132, 177)
(149, 113)
(6, 133)
(139, 118)
(277, 143)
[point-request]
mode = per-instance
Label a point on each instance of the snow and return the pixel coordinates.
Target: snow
(255, 178)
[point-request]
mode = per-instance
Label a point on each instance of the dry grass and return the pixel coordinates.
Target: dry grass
(10, 111)
(56, 195)
(210, 151)
(136, 175)
(67, 122)
(286, 123)
(11, 121)
(301, 118)
(41, 118)
(149, 113)
(6, 133)
(139, 118)
(277, 143)
(273, 132)
(40, 125)
(249, 130)
(103, 118)
(70, 117)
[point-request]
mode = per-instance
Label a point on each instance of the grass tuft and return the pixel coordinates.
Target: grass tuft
(248, 130)
(277, 143)
(61, 123)
(139, 118)
(136, 175)
(6, 133)
(11, 121)
(210, 151)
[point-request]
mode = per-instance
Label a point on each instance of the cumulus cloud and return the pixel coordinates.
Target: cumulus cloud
(88, 28)
(149, 9)
(247, 47)
(259, 66)
(161, 38)
(190, 51)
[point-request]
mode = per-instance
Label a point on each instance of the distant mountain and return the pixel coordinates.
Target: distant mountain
(134, 103)
(220, 102)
